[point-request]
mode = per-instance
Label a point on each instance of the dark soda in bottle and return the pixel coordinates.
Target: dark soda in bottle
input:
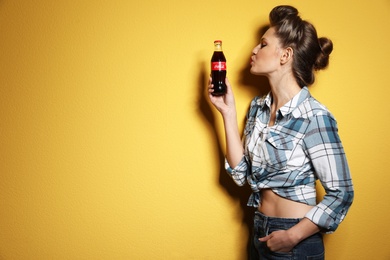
(218, 70)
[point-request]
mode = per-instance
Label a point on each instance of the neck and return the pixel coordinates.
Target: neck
(283, 90)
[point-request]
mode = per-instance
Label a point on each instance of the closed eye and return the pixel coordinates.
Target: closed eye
(263, 43)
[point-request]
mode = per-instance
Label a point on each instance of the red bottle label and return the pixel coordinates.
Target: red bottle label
(219, 65)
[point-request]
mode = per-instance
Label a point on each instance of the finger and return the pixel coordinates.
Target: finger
(229, 87)
(227, 82)
(264, 239)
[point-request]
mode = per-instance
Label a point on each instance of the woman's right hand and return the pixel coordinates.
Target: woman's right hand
(224, 104)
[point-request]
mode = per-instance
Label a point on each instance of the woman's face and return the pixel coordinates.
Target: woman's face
(266, 56)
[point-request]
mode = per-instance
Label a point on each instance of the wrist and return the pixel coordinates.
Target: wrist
(294, 235)
(305, 228)
(229, 115)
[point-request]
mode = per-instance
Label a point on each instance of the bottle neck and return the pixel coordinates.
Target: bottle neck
(218, 46)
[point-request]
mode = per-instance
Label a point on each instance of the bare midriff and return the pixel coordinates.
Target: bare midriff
(273, 205)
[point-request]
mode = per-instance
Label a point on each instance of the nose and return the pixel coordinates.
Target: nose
(255, 50)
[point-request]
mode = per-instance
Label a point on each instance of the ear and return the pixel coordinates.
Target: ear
(287, 55)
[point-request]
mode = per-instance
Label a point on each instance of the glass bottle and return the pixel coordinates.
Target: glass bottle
(218, 69)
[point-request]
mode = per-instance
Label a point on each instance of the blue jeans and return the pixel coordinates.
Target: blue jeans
(310, 248)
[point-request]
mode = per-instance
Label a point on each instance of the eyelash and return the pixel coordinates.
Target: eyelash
(262, 45)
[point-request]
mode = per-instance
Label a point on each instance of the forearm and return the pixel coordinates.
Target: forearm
(234, 147)
(226, 106)
(304, 229)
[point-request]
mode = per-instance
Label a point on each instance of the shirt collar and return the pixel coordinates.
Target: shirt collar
(302, 95)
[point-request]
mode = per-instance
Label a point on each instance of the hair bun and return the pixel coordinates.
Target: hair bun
(326, 47)
(282, 12)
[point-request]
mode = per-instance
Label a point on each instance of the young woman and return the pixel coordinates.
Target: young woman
(290, 141)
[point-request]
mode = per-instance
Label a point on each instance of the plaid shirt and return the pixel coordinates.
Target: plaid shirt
(302, 146)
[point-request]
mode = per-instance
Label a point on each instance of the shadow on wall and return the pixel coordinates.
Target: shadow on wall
(256, 85)
(240, 194)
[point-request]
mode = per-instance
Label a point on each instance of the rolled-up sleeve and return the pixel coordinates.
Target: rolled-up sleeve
(327, 155)
(238, 173)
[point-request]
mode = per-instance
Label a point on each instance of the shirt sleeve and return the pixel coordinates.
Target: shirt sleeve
(326, 152)
(238, 173)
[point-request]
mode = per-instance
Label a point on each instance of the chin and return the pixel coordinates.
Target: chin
(254, 72)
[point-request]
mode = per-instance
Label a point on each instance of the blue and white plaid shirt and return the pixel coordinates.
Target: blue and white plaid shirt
(302, 146)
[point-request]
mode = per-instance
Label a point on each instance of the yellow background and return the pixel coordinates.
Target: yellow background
(109, 146)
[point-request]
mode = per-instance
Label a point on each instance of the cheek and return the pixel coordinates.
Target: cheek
(265, 58)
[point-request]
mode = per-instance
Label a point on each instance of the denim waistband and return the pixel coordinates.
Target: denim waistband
(264, 224)
(276, 219)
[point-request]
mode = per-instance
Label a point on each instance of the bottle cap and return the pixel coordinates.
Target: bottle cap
(217, 41)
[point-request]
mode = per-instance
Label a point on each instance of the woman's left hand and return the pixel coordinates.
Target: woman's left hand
(279, 241)
(286, 240)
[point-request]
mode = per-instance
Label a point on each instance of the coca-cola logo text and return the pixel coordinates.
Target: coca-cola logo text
(220, 65)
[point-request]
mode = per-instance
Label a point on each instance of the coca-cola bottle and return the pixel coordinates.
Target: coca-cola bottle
(218, 70)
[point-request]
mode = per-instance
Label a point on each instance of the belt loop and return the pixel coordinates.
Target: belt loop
(265, 224)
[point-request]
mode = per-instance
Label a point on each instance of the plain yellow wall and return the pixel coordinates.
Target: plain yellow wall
(109, 147)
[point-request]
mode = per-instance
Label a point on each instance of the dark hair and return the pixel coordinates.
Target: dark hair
(310, 52)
